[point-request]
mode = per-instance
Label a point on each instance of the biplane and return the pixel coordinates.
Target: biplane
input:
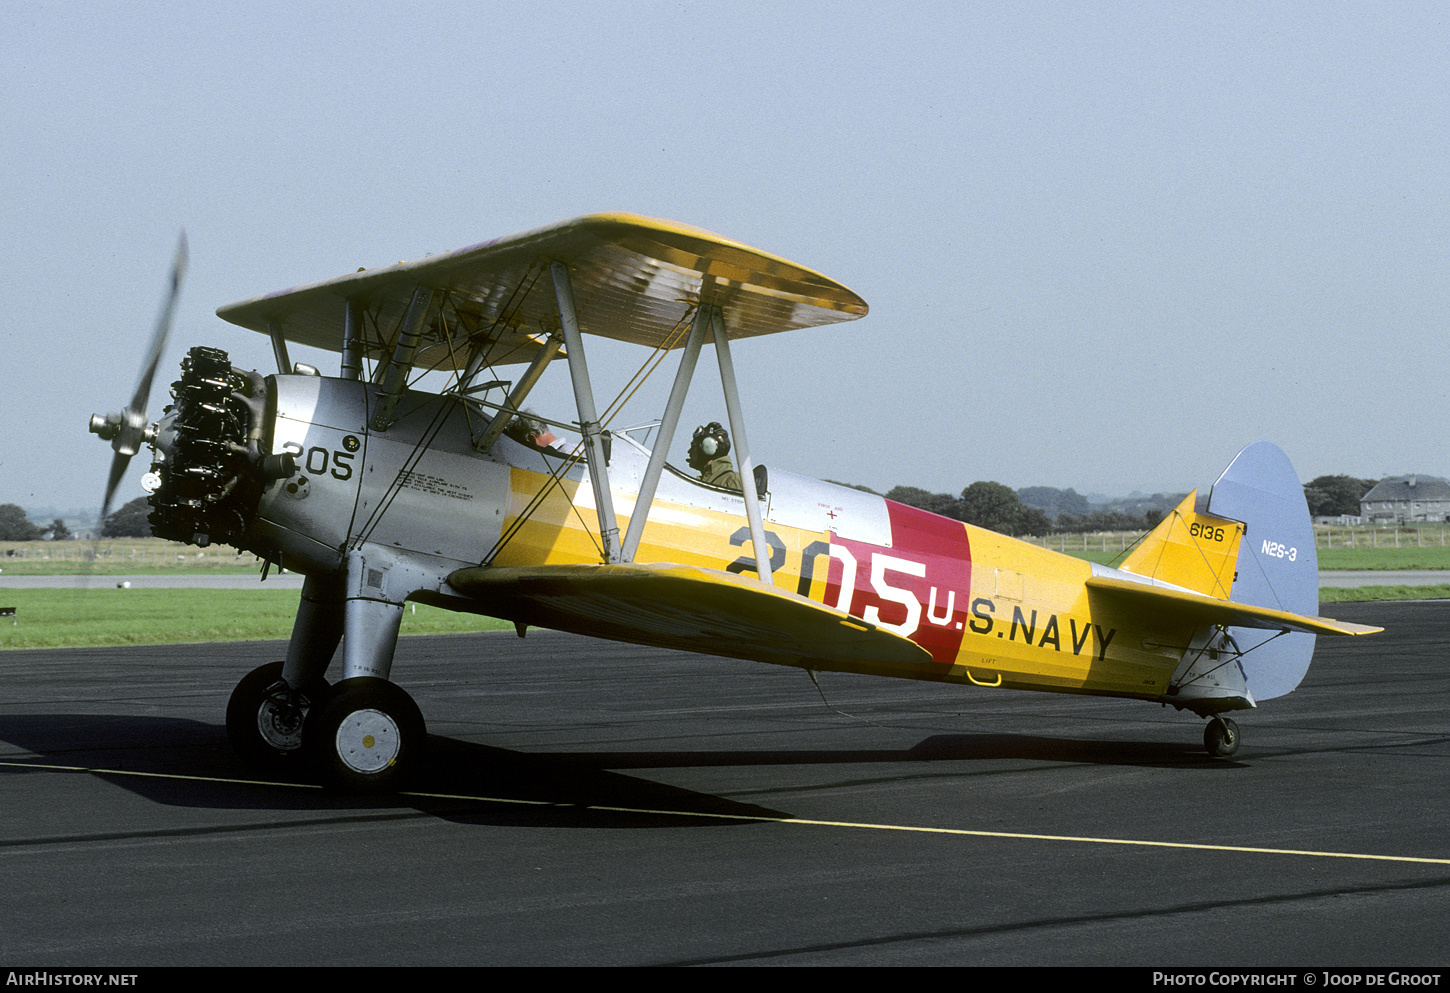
(380, 493)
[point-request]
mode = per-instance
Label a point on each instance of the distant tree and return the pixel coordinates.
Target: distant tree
(1107, 520)
(1138, 504)
(58, 531)
(937, 503)
(128, 522)
(854, 486)
(15, 526)
(992, 506)
(1052, 501)
(1030, 520)
(1329, 496)
(1029, 511)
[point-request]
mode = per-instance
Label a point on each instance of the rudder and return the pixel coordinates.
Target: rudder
(1277, 566)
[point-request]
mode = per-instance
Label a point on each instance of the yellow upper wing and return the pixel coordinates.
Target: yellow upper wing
(635, 279)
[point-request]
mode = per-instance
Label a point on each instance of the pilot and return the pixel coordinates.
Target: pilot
(708, 451)
(525, 427)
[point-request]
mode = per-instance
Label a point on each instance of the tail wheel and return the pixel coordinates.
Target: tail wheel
(367, 737)
(265, 717)
(1221, 737)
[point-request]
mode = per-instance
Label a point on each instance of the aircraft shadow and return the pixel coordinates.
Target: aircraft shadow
(937, 748)
(188, 763)
(1174, 755)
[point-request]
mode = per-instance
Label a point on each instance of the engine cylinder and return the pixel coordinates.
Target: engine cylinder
(208, 490)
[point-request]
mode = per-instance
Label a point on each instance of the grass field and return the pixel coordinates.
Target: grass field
(1359, 593)
(120, 556)
(91, 618)
(102, 617)
(109, 616)
(1431, 557)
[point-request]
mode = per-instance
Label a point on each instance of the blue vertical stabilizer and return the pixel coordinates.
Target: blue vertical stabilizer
(1277, 564)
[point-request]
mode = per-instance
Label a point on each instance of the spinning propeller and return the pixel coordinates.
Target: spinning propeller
(129, 430)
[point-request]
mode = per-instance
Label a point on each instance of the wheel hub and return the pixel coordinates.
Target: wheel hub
(368, 741)
(279, 719)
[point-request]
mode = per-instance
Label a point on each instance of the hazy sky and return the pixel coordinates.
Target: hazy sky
(1104, 245)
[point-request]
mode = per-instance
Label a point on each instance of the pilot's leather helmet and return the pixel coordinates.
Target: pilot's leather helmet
(710, 442)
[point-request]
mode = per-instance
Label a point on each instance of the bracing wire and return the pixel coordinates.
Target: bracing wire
(647, 368)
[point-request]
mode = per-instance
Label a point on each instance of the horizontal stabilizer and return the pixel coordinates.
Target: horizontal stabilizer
(1196, 608)
(686, 608)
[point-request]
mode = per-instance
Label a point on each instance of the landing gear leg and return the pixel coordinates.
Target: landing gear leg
(368, 735)
(316, 631)
(1221, 737)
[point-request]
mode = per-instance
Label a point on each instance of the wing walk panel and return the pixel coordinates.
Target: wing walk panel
(690, 609)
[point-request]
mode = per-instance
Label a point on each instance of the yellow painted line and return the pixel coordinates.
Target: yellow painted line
(962, 832)
(757, 818)
(48, 767)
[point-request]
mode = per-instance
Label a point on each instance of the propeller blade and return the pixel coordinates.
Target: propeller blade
(163, 329)
(118, 469)
(129, 427)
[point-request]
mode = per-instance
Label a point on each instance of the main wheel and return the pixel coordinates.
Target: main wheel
(1221, 737)
(367, 737)
(265, 717)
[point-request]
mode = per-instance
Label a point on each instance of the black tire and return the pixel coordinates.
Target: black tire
(264, 725)
(1221, 737)
(367, 737)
